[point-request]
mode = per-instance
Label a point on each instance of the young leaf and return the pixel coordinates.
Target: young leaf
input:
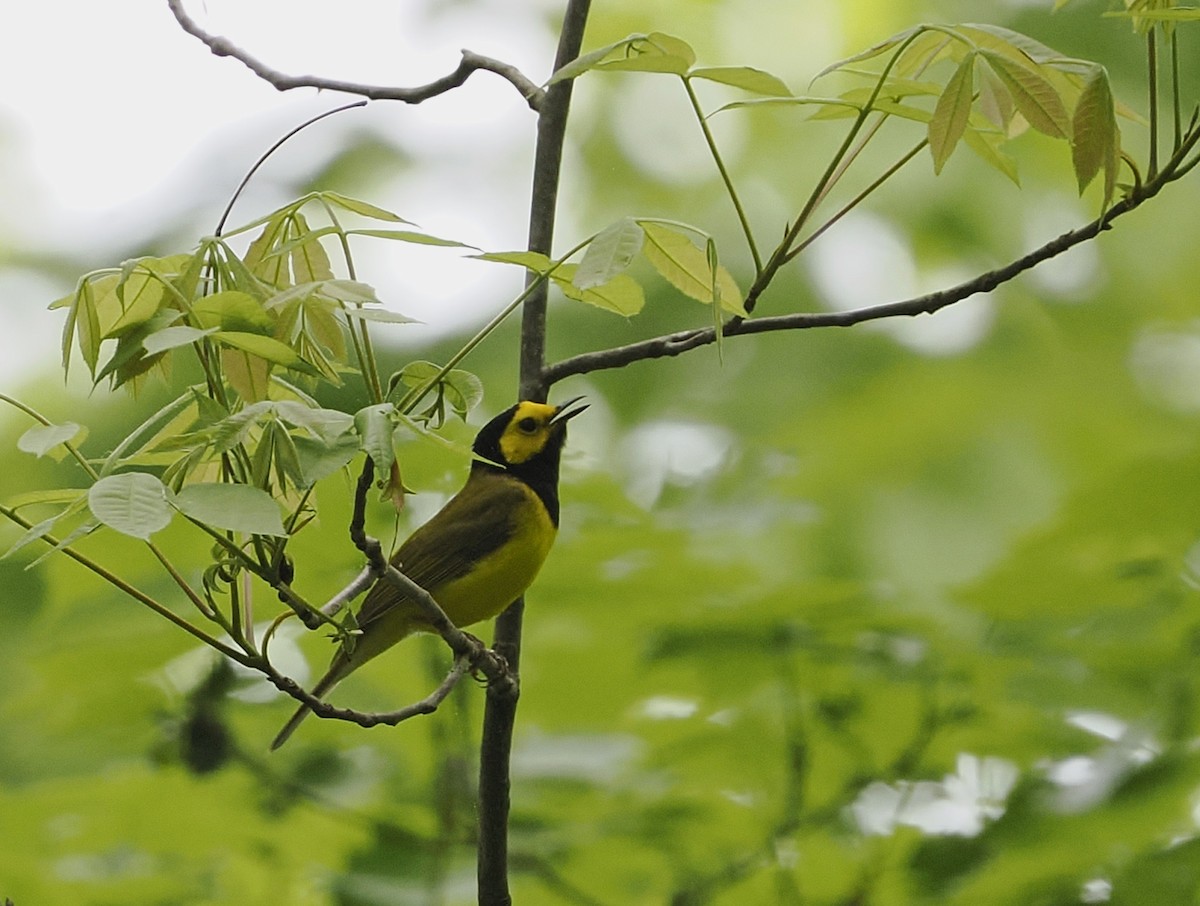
(1095, 142)
(656, 52)
(609, 254)
(881, 48)
(1034, 96)
(267, 348)
(321, 458)
(41, 439)
(232, 310)
(375, 427)
(33, 533)
(366, 209)
(309, 260)
(685, 266)
(745, 77)
(589, 60)
(260, 261)
(621, 294)
(411, 236)
(349, 291)
(172, 337)
(951, 112)
(132, 503)
(534, 261)
(139, 294)
(234, 507)
(379, 314)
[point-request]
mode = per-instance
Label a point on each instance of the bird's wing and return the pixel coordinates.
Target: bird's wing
(475, 522)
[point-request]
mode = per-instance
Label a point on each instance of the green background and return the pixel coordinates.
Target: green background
(889, 558)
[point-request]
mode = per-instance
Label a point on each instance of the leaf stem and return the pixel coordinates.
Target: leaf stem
(1152, 84)
(723, 170)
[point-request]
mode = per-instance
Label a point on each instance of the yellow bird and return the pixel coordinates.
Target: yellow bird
(481, 551)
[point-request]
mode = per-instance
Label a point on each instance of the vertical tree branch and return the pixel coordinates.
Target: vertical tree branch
(501, 707)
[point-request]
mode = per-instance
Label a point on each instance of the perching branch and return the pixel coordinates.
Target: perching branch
(685, 340)
(470, 62)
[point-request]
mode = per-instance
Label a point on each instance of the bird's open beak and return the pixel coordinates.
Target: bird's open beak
(565, 412)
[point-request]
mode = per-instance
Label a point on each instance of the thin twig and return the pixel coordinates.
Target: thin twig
(685, 340)
(470, 62)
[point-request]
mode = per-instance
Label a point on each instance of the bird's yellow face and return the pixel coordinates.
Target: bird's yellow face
(528, 432)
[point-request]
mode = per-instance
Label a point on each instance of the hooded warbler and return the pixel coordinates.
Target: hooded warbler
(481, 551)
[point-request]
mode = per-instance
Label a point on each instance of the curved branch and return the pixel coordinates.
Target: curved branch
(470, 62)
(684, 340)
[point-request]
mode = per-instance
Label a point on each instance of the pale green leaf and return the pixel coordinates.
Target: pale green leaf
(951, 113)
(987, 146)
(320, 458)
(1032, 94)
(609, 254)
(874, 51)
(534, 261)
(745, 77)
(620, 294)
(589, 60)
(412, 237)
(233, 507)
(46, 496)
(260, 259)
(309, 260)
(139, 296)
(845, 106)
(657, 52)
(381, 315)
(1095, 141)
(375, 426)
(33, 533)
(132, 503)
(685, 266)
(349, 291)
(172, 337)
(232, 310)
(365, 208)
(266, 348)
(41, 439)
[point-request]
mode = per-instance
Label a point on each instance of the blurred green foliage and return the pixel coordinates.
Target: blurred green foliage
(830, 564)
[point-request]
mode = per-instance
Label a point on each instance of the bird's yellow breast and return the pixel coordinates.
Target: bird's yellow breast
(499, 578)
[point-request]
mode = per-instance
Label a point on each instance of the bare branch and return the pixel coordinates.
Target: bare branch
(322, 708)
(684, 340)
(470, 62)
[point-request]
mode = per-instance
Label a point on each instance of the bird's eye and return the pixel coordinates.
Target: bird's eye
(528, 425)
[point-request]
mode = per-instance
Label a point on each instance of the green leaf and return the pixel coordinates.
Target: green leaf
(46, 495)
(609, 254)
(745, 77)
(173, 337)
(1095, 141)
(34, 533)
(1035, 98)
(260, 260)
(589, 60)
(234, 507)
(41, 439)
(846, 107)
(621, 294)
(232, 310)
(379, 314)
(987, 146)
(951, 112)
(365, 208)
(534, 261)
(266, 348)
(309, 260)
(874, 51)
(657, 52)
(139, 294)
(411, 236)
(320, 458)
(685, 266)
(375, 426)
(349, 291)
(132, 503)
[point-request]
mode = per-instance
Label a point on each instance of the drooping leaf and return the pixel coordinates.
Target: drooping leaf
(745, 77)
(1095, 141)
(41, 439)
(132, 503)
(609, 254)
(534, 261)
(234, 507)
(364, 208)
(233, 310)
(267, 348)
(951, 113)
(308, 258)
(375, 426)
(621, 294)
(173, 337)
(1032, 94)
(685, 266)
(411, 236)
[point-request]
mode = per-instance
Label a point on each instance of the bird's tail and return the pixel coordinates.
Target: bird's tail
(337, 671)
